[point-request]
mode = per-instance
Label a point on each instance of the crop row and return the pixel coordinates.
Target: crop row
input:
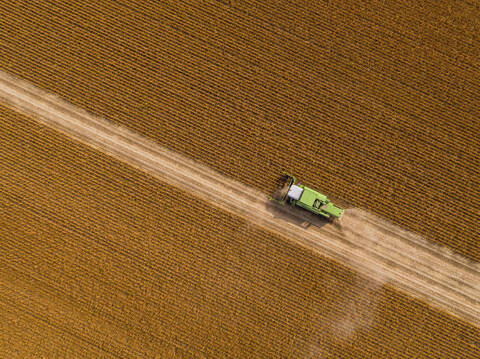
(200, 54)
(25, 335)
(295, 62)
(238, 30)
(419, 29)
(112, 241)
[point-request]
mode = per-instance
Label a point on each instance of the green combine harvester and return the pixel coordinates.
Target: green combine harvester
(306, 198)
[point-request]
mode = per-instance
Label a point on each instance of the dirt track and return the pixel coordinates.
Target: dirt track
(376, 249)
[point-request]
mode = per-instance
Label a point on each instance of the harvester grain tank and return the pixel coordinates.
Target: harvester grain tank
(302, 196)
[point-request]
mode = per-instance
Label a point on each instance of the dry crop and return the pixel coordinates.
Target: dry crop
(125, 265)
(381, 110)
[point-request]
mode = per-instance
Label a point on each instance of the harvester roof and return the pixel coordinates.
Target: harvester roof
(295, 192)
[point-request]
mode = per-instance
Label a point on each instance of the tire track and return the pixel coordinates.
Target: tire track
(361, 241)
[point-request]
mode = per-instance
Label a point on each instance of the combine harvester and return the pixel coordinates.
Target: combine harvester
(306, 198)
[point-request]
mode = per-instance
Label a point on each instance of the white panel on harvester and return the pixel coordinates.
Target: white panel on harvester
(295, 192)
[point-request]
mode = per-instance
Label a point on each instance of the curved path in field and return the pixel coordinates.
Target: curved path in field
(379, 250)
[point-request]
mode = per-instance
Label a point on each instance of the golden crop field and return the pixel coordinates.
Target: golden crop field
(375, 103)
(100, 258)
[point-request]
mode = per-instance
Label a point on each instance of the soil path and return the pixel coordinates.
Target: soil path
(377, 249)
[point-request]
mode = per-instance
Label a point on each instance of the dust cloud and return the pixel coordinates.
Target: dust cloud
(353, 312)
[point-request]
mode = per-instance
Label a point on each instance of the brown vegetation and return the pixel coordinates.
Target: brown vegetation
(374, 103)
(111, 260)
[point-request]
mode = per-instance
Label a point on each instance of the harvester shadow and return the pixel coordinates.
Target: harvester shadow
(297, 216)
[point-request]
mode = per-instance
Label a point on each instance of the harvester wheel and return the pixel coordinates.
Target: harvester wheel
(284, 184)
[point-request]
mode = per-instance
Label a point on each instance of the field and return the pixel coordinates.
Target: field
(374, 103)
(381, 111)
(139, 271)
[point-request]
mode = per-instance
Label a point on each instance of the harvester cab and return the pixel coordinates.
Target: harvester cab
(302, 196)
